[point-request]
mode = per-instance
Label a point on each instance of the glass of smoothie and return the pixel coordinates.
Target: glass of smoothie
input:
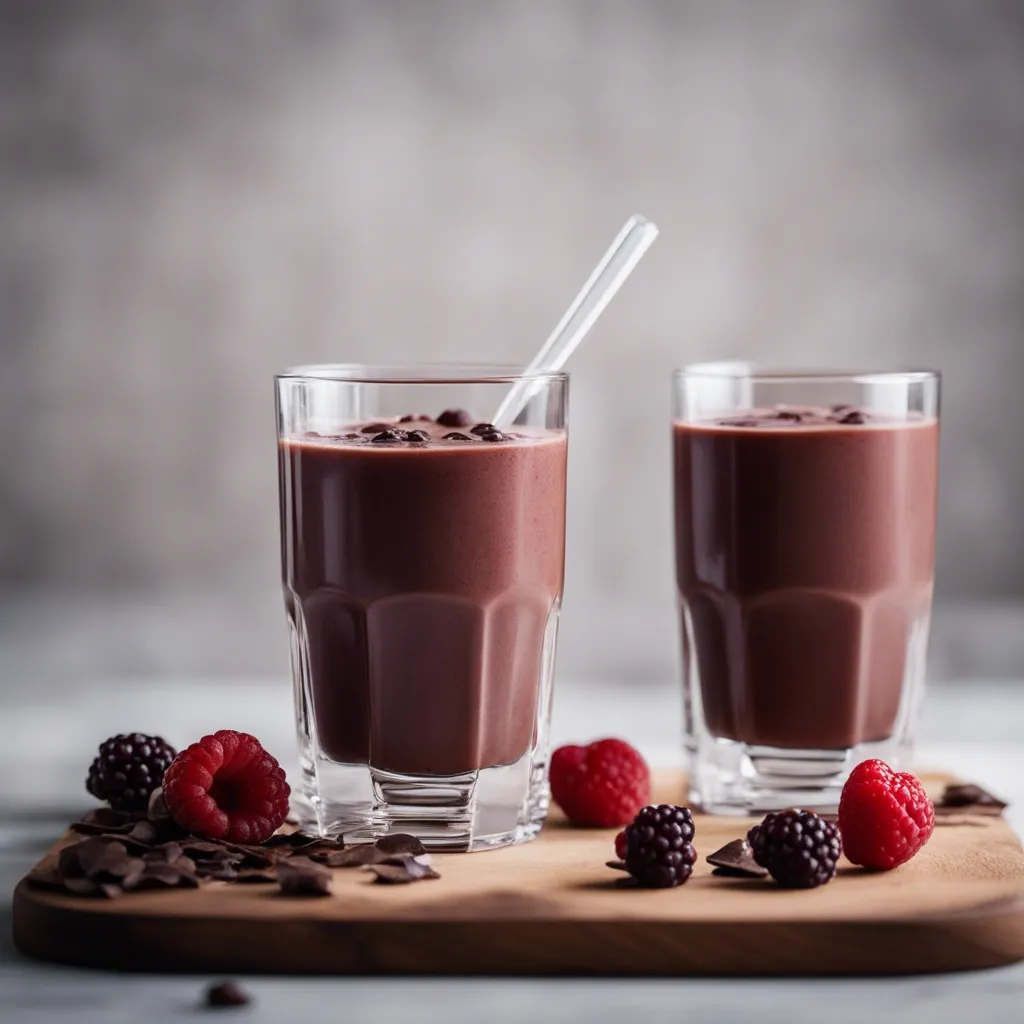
(422, 555)
(805, 535)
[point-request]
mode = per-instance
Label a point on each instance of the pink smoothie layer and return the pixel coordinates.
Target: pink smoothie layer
(804, 556)
(422, 576)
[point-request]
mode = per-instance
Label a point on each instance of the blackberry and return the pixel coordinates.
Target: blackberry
(128, 769)
(659, 847)
(799, 849)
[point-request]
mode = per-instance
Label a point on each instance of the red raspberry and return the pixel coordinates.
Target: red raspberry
(885, 817)
(227, 786)
(603, 785)
(621, 845)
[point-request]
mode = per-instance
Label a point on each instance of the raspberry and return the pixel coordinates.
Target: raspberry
(620, 845)
(128, 768)
(227, 786)
(885, 816)
(659, 847)
(799, 849)
(602, 785)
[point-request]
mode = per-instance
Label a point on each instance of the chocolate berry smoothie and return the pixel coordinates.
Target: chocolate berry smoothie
(423, 559)
(804, 550)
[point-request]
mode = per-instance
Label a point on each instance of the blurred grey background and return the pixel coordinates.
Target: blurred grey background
(195, 194)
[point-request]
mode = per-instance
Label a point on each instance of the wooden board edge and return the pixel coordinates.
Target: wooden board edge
(983, 937)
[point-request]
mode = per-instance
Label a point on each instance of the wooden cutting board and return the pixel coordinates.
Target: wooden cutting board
(552, 907)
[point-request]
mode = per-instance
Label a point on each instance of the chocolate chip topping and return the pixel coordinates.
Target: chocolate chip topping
(494, 435)
(455, 418)
(227, 993)
(419, 436)
(736, 860)
(374, 428)
(410, 418)
(482, 428)
(389, 436)
(789, 414)
(853, 417)
(456, 436)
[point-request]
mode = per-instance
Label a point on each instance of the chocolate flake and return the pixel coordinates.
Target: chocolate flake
(300, 876)
(374, 428)
(400, 842)
(404, 871)
(355, 857)
(227, 993)
(736, 860)
(968, 798)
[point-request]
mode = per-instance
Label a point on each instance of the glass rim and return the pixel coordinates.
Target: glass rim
(416, 373)
(739, 370)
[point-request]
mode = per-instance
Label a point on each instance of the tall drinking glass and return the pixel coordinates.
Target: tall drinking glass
(422, 558)
(805, 532)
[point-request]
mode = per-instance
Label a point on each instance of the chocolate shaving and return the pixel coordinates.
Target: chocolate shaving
(968, 798)
(401, 872)
(227, 993)
(252, 876)
(355, 857)
(735, 860)
(108, 818)
(157, 809)
(400, 842)
(616, 865)
(301, 876)
(143, 832)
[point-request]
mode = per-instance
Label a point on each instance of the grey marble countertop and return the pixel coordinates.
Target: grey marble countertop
(47, 739)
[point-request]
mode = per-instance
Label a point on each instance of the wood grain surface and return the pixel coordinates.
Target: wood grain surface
(552, 907)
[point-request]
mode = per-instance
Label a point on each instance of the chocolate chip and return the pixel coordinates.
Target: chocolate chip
(409, 869)
(455, 418)
(400, 842)
(482, 428)
(410, 418)
(374, 428)
(789, 414)
(389, 435)
(456, 436)
(741, 421)
(494, 435)
(227, 993)
(418, 436)
(347, 437)
(736, 860)
(968, 798)
(300, 876)
(853, 417)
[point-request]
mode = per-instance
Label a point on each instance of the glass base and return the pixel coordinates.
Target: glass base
(478, 810)
(727, 777)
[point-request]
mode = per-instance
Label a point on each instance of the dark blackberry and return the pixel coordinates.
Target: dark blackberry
(799, 849)
(128, 769)
(659, 846)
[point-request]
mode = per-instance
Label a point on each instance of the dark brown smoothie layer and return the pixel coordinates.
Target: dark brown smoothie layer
(804, 557)
(423, 575)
